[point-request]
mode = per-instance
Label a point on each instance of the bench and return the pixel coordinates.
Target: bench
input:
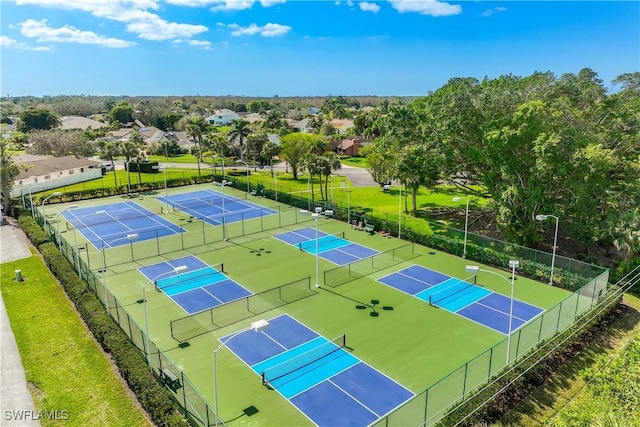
(328, 212)
(369, 228)
(170, 379)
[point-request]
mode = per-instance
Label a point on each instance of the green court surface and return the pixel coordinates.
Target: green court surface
(410, 341)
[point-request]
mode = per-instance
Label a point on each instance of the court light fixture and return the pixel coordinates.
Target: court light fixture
(541, 217)
(315, 215)
(513, 264)
(176, 270)
(466, 224)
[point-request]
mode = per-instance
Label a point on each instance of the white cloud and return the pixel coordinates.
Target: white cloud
(10, 43)
(135, 13)
(206, 45)
(267, 30)
(426, 7)
(67, 34)
(155, 28)
(369, 7)
(269, 3)
(490, 12)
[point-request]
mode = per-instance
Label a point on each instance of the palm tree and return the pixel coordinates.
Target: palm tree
(109, 150)
(255, 143)
(196, 129)
(128, 150)
(138, 142)
(329, 163)
(239, 132)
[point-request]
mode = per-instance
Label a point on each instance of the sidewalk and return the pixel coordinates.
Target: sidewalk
(15, 399)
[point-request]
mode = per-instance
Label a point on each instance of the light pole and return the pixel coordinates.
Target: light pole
(257, 326)
(247, 166)
(555, 241)
(224, 231)
(130, 237)
(164, 175)
(75, 205)
(212, 165)
(513, 264)
(466, 224)
(315, 215)
(400, 211)
(332, 177)
(44, 215)
(176, 270)
(30, 187)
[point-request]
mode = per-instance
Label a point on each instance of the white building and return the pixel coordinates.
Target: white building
(222, 117)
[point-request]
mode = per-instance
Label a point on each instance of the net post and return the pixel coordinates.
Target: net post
(430, 300)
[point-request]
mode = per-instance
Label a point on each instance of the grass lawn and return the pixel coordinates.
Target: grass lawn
(566, 390)
(65, 368)
(359, 162)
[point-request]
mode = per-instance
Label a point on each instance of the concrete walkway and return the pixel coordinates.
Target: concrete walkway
(16, 405)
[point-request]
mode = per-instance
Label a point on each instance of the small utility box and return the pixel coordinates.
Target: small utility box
(19, 276)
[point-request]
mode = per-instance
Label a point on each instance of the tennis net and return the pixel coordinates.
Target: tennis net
(185, 205)
(296, 363)
(212, 274)
(108, 217)
(452, 293)
(326, 241)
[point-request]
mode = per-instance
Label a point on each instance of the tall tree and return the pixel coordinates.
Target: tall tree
(294, 148)
(196, 129)
(8, 172)
(59, 143)
(109, 150)
(141, 155)
(122, 113)
(238, 134)
(255, 143)
(37, 119)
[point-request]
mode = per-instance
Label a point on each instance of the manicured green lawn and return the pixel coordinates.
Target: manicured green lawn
(359, 162)
(64, 366)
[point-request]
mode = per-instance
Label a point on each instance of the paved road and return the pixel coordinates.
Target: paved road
(15, 399)
(359, 177)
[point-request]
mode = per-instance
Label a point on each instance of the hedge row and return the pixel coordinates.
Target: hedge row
(154, 398)
(144, 187)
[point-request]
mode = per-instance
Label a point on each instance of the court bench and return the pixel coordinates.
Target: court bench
(170, 379)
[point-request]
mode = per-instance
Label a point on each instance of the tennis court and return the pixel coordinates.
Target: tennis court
(199, 288)
(214, 206)
(318, 376)
(465, 299)
(107, 226)
(332, 247)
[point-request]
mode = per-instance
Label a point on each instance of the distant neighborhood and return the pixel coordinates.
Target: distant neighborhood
(133, 131)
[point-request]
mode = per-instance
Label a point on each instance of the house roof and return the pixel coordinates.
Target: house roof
(43, 165)
(253, 117)
(341, 123)
(79, 122)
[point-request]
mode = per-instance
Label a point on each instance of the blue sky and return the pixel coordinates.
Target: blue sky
(305, 48)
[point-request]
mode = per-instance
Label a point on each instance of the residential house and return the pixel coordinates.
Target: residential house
(222, 117)
(39, 173)
(79, 122)
(341, 125)
(349, 147)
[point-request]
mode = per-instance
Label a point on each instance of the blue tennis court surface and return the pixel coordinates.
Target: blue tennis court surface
(207, 205)
(330, 247)
(322, 379)
(199, 287)
(471, 301)
(107, 226)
